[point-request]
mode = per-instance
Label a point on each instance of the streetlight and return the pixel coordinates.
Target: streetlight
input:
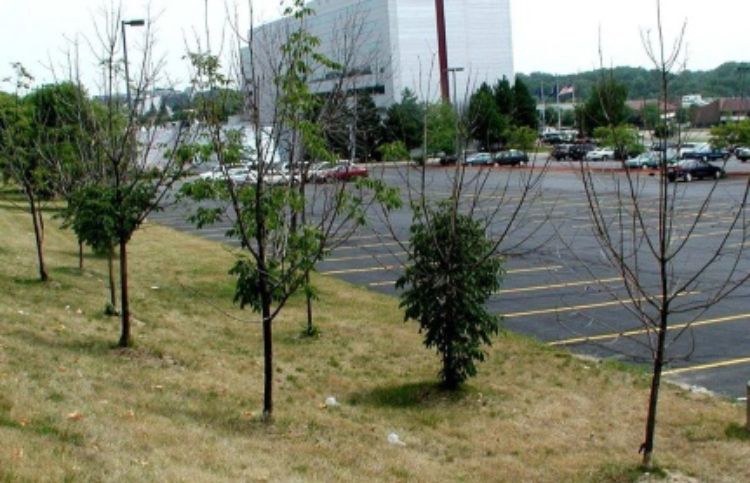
(131, 23)
(453, 71)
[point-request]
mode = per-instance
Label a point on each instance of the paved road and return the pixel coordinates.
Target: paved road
(559, 285)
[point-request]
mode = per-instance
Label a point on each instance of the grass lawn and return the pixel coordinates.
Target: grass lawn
(184, 403)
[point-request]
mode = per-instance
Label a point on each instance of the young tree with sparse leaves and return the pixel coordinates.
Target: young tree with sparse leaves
(283, 228)
(20, 158)
(140, 161)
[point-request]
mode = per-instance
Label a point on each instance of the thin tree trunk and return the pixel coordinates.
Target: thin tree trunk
(80, 255)
(267, 360)
(648, 445)
(310, 327)
(38, 234)
(124, 300)
(112, 289)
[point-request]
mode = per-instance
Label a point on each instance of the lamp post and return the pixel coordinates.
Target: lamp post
(129, 23)
(453, 71)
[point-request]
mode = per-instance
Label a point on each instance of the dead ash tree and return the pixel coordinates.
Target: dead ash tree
(647, 237)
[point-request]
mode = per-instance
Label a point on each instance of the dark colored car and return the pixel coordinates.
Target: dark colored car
(479, 159)
(511, 157)
(691, 169)
(578, 151)
(561, 152)
(448, 159)
(706, 154)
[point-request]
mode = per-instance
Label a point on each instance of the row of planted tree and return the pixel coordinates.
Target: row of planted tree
(98, 158)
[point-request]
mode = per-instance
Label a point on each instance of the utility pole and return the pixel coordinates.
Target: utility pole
(442, 51)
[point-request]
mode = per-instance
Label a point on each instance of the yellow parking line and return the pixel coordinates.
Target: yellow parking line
(634, 332)
(364, 257)
(556, 285)
(548, 268)
(712, 365)
(365, 237)
(701, 235)
(573, 308)
(360, 270)
(372, 245)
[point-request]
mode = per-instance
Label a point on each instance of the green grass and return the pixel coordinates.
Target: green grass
(738, 432)
(184, 403)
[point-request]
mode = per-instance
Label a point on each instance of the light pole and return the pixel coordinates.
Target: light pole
(453, 71)
(131, 23)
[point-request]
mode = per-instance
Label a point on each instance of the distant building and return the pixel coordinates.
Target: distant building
(721, 111)
(639, 105)
(694, 100)
(386, 46)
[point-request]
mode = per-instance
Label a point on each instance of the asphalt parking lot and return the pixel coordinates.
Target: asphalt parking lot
(559, 286)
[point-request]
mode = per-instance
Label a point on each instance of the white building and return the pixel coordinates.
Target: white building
(386, 46)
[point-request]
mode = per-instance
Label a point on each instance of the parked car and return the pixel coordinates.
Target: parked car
(448, 159)
(561, 152)
(511, 157)
(242, 175)
(600, 154)
(578, 151)
(684, 149)
(479, 159)
(706, 153)
(319, 172)
(651, 159)
(346, 172)
(742, 153)
(646, 160)
(691, 169)
(212, 175)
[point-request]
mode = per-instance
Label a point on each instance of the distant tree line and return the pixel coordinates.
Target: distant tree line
(727, 80)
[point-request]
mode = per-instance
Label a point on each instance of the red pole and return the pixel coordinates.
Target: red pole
(442, 51)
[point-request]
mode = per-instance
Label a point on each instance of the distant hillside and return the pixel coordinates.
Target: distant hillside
(724, 81)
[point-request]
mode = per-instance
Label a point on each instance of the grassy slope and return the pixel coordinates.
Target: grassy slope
(183, 404)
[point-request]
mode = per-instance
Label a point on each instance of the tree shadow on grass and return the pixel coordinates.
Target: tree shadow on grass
(414, 395)
(89, 345)
(28, 282)
(66, 271)
(218, 414)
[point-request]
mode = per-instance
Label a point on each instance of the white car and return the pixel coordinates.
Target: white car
(242, 175)
(600, 154)
(212, 175)
(320, 172)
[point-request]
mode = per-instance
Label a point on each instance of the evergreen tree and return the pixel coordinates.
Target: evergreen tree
(369, 130)
(403, 121)
(503, 93)
(524, 106)
(486, 123)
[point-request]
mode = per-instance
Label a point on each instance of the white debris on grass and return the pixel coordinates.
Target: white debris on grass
(331, 402)
(395, 440)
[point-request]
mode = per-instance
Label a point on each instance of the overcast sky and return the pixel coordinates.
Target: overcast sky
(548, 35)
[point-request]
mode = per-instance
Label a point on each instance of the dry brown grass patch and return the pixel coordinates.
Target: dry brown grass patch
(183, 404)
